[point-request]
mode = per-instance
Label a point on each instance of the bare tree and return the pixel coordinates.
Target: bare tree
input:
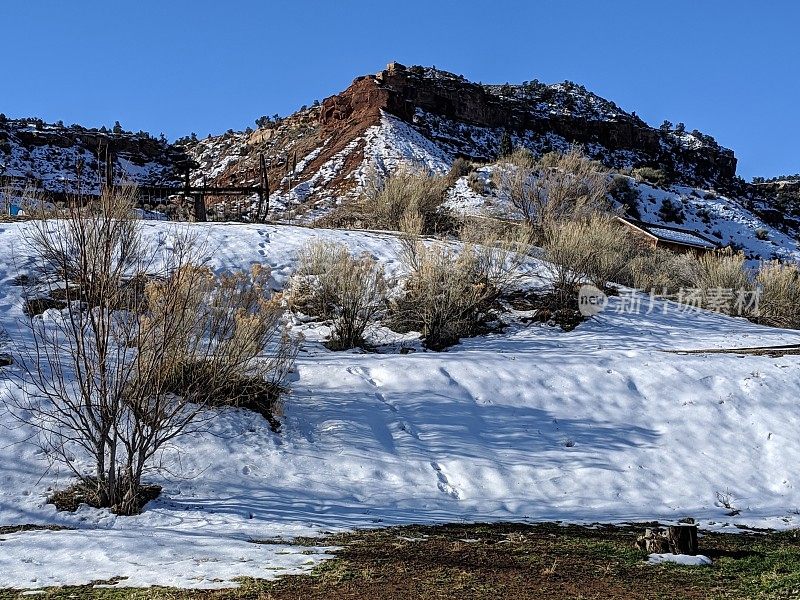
(149, 339)
(558, 187)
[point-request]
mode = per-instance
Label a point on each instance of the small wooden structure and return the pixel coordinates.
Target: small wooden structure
(198, 193)
(667, 237)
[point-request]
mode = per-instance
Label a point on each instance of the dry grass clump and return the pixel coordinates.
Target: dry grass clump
(660, 271)
(779, 299)
(719, 280)
(408, 194)
(332, 284)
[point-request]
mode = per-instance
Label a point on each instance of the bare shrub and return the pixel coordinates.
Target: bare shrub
(126, 369)
(460, 168)
(332, 284)
(660, 271)
(476, 183)
(652, 176)
(522, 158)
(450, 292)
(779, 299)
(594, 251)
(569, 186)
(445, 298)
(408, 192)
(719, 278)
(94, 247)
(228, 345)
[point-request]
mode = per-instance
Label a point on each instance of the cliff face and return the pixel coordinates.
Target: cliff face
(527, 112)
(319, 156)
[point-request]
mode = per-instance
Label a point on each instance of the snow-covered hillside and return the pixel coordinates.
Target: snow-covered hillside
(52, 156)
(725, 220)
(604, 423)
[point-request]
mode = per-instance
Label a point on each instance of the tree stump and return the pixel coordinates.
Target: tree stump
(654, 541)
(683, 539)
(676, 539)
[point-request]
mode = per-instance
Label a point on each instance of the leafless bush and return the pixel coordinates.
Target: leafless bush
(719, 279)
(779, 300)
(569, 186)
(726, 499)
(652, 176)
(500, 247)
(450, 292)
(118, 374)
(332, 284)
(522, 158)
(476, 183)
(594, 251)
(459, 168)
(93, 247)
(408, 193)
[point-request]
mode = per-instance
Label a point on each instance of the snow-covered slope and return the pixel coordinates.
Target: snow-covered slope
(52, 155)
(725, 220)
(604, 423)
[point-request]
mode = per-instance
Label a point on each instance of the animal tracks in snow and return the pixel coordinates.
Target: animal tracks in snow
(444, 484)
(405, 426)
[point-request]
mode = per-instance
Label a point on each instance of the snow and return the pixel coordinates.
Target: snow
(601, 424)
(40, 559)
(685, 237)
(395, 143)
(679, 559)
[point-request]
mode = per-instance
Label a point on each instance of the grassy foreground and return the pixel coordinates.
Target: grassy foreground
(511, 561)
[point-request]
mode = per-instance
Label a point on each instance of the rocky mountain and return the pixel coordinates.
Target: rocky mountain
(60, 159)
(320, 155)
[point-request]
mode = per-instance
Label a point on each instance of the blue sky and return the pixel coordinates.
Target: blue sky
(727, 67)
